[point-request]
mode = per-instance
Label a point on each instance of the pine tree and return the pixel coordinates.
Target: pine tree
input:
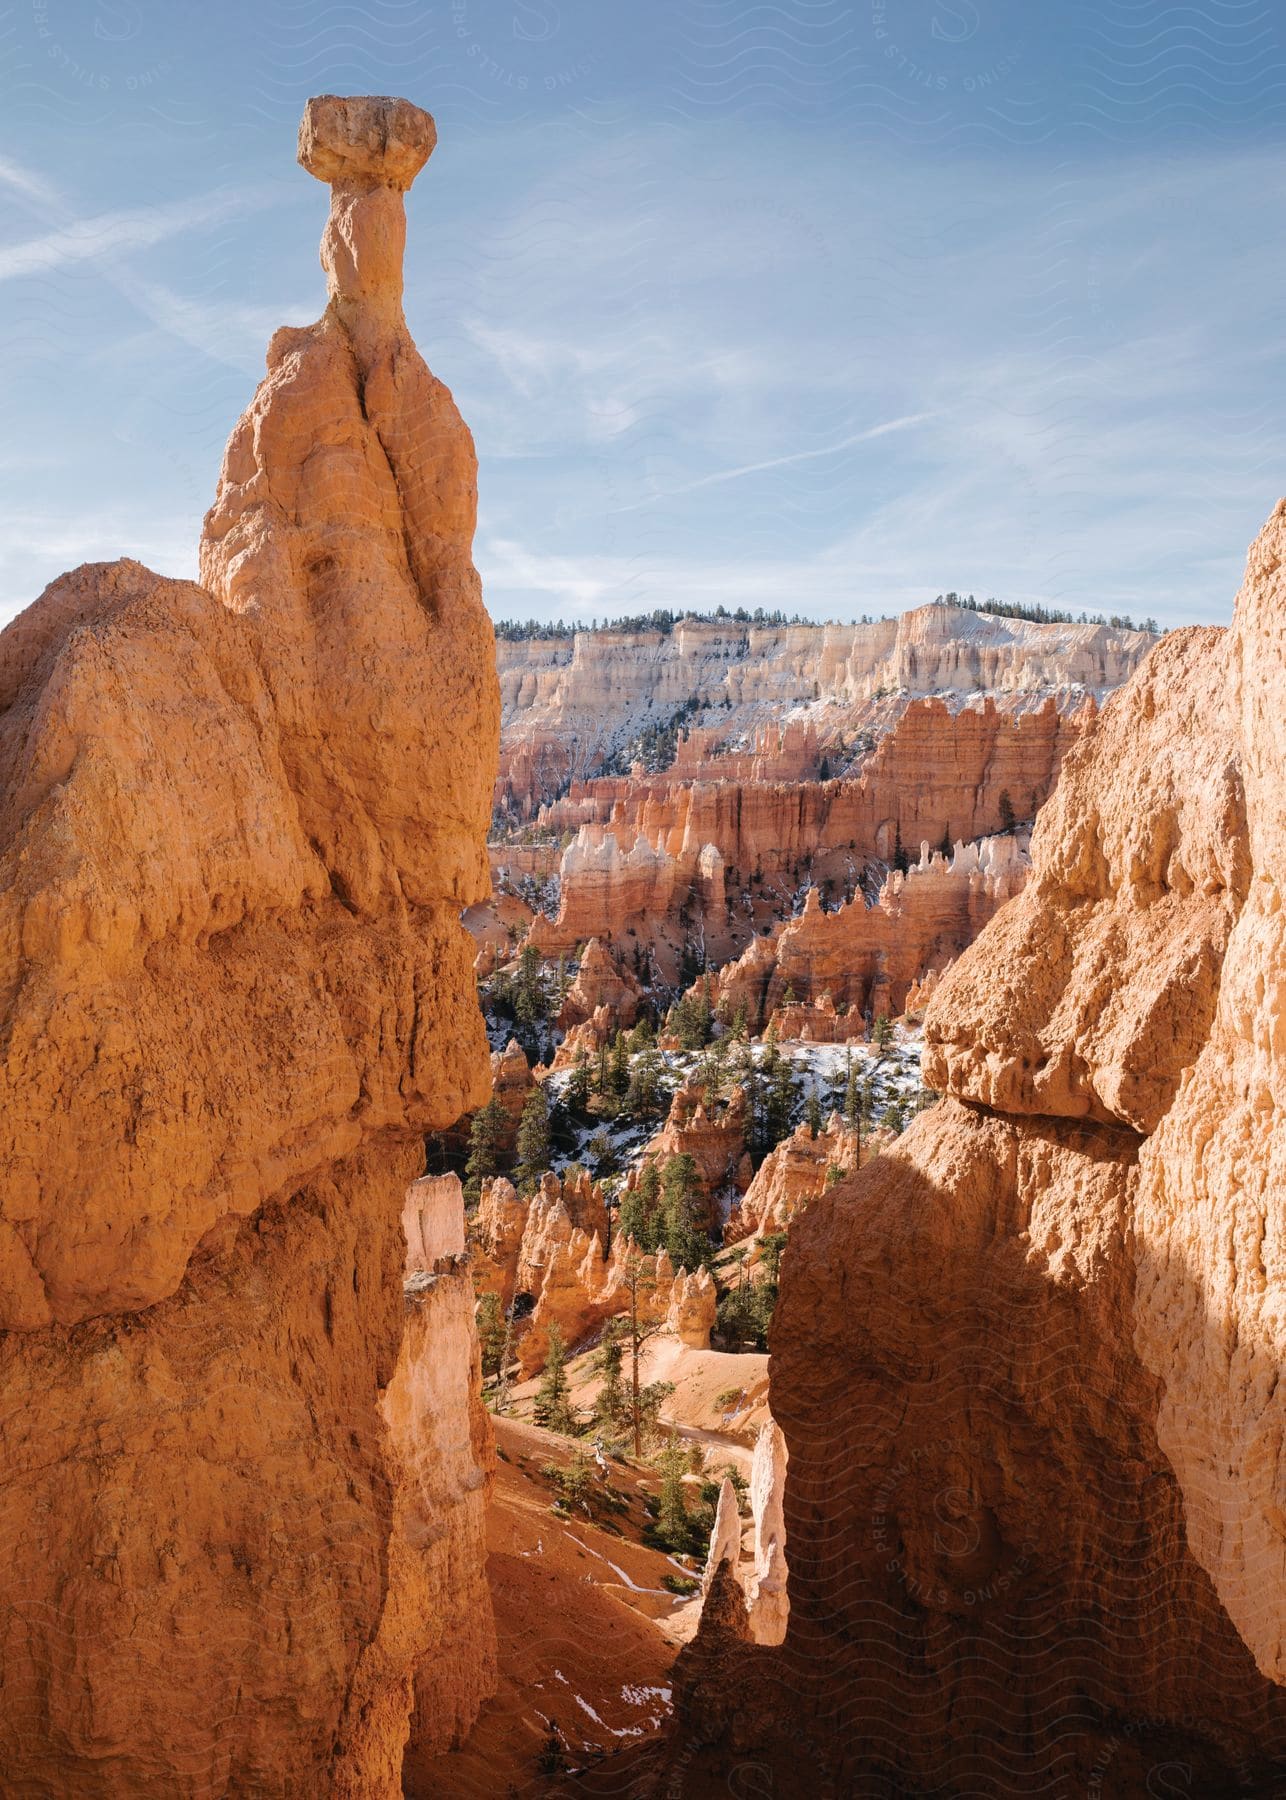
(484, 1151)
(638, 1329)
(491, 1333)
(1005, 807)
(643, 1095)
(813, 1113)
(552, 1407)
(852, 1102)
(687, 1244)
(771, 1246)
(577, 1092)
(779, 1103)
(533, 1140)
(618, 1068)
(611, 1408)
(529, 1002)
(639, 1216)
(673, 1526)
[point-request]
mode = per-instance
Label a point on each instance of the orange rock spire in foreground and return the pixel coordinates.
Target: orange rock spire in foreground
(240, 822)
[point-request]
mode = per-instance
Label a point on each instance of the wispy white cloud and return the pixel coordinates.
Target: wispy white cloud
(114, 234)
(745, 375)
(788, 461)
(231, 332)
(29, 183)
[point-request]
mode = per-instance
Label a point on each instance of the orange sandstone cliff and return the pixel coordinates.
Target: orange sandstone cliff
(1028, 1361)
(240, 822)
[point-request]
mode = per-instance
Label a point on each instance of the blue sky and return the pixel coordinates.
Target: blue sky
(804, 304)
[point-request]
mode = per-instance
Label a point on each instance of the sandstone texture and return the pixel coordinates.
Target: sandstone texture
(434, 1656)
(511, 1083)
(765, 1606)
(600, 983)
(1027, 1361)
(692, 1309)
(240, 823)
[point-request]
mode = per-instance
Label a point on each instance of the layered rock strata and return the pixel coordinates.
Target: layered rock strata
(569, 704)
(659, 865)
(1034, 1499)
(240, 823)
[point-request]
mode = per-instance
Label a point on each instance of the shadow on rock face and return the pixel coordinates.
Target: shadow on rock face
(991, 1588)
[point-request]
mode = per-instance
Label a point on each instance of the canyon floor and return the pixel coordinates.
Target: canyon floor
(587, 1630)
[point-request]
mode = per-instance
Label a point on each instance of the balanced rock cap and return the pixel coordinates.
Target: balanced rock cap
(367, 140)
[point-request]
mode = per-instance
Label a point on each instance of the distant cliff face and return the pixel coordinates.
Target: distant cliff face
(666, 863)
(239, 823)
(567, 705)
(1028, 1361)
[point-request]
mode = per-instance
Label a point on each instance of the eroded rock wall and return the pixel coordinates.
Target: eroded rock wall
(660, 863)
(868, 958)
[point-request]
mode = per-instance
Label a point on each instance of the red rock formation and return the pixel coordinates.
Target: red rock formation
(869, 958)
(660, 863)
(796, 1172)
(1042, 1434)
(590, 1036)
(600, 983)
(433, 1221)
(765, 1605)
(238, 830)
(714, 1139)
(550, 1248)
(692, 1308)
(511, 1082)
(437, 1621)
